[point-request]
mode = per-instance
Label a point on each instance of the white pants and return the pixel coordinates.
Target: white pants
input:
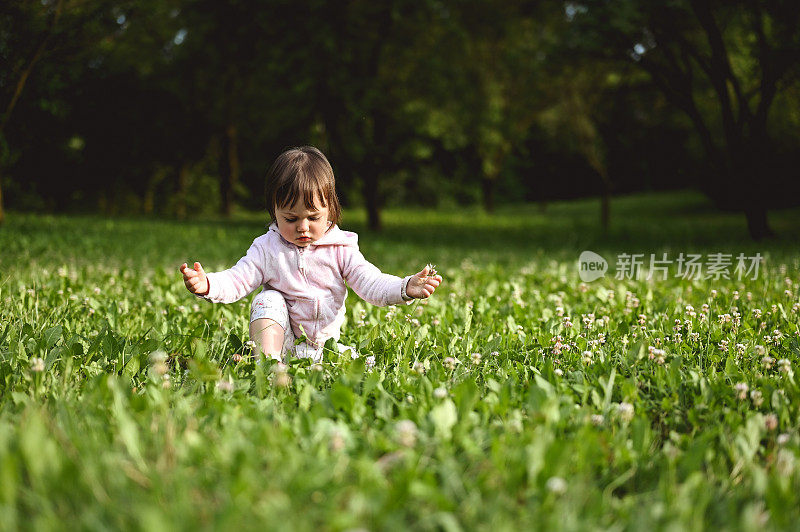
(270, 304)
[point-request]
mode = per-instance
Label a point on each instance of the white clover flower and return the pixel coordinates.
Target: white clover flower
(281, 377)
(158, 361)
(713, 293)
(767, 362)
(436, 322)
(418, 368)
(166, 382)
(597, 419)
(336, 441)
(451, 363)
(723, 345)
(440, 392)
(741, 390)
(566, 321)
(756, 313)
(556, 485)
(771, 422)
(406, 433)
(586, 356)
(494, 354)
(784, 365)
(195, 307)
(476, 358)
(625, 411)
(559, 372)
(181, 309)
(783, 438)
(250, 344)
(316, 367)
(757, 397)
(37, 364)
(369, 362)
(739, 349)
(224, 385)
(282, 380)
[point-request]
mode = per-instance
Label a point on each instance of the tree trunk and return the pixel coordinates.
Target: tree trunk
(149, 200)
(605, 208)
(757, 222)
(2, 210)
(183, 183)
(487, 185)
(230, 169)
(371, 197)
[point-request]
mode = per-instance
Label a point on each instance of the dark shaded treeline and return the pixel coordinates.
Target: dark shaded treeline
(178, 106)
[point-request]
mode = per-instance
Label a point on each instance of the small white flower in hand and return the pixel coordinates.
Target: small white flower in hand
(424, 283)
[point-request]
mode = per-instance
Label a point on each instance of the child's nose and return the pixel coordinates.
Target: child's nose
(303, 226)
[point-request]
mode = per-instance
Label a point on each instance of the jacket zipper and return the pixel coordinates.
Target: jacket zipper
(301, 263)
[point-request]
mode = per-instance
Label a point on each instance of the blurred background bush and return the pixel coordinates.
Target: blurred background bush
(177, 107)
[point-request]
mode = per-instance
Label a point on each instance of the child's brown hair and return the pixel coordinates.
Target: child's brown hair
(302, 172)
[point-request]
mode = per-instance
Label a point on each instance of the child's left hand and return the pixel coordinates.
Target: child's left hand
(424, 283)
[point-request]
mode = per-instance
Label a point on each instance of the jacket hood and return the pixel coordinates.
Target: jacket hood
(333, 237)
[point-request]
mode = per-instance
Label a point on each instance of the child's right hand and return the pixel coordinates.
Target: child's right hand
(195, 279)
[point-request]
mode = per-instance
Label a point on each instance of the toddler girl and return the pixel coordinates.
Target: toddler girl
(302, 264)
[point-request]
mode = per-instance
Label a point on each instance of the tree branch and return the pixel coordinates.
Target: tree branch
(26, 72)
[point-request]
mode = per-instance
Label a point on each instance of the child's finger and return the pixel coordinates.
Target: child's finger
(432, 284)
(199, 268)
(424, 273)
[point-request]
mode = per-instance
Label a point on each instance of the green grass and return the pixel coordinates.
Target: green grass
(532, 434)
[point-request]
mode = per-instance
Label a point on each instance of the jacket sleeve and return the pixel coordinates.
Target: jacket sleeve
(368, 282)
(233, 284)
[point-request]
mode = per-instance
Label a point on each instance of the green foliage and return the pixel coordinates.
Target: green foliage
(123, 403)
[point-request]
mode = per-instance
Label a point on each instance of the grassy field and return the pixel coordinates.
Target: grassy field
(518, 397)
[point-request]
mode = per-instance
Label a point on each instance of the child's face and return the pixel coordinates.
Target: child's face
(300, 225)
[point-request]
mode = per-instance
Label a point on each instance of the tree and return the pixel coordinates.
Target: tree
(735, 55)
(19, 23)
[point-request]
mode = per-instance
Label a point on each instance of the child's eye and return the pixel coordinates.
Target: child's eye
(290, 220)
(313, 218)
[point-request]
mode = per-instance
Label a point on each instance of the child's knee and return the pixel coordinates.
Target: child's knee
(270, 304)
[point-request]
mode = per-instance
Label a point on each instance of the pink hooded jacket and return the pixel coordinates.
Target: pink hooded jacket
(312, 280)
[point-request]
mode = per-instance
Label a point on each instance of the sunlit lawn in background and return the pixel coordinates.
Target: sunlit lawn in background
(518, 397)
